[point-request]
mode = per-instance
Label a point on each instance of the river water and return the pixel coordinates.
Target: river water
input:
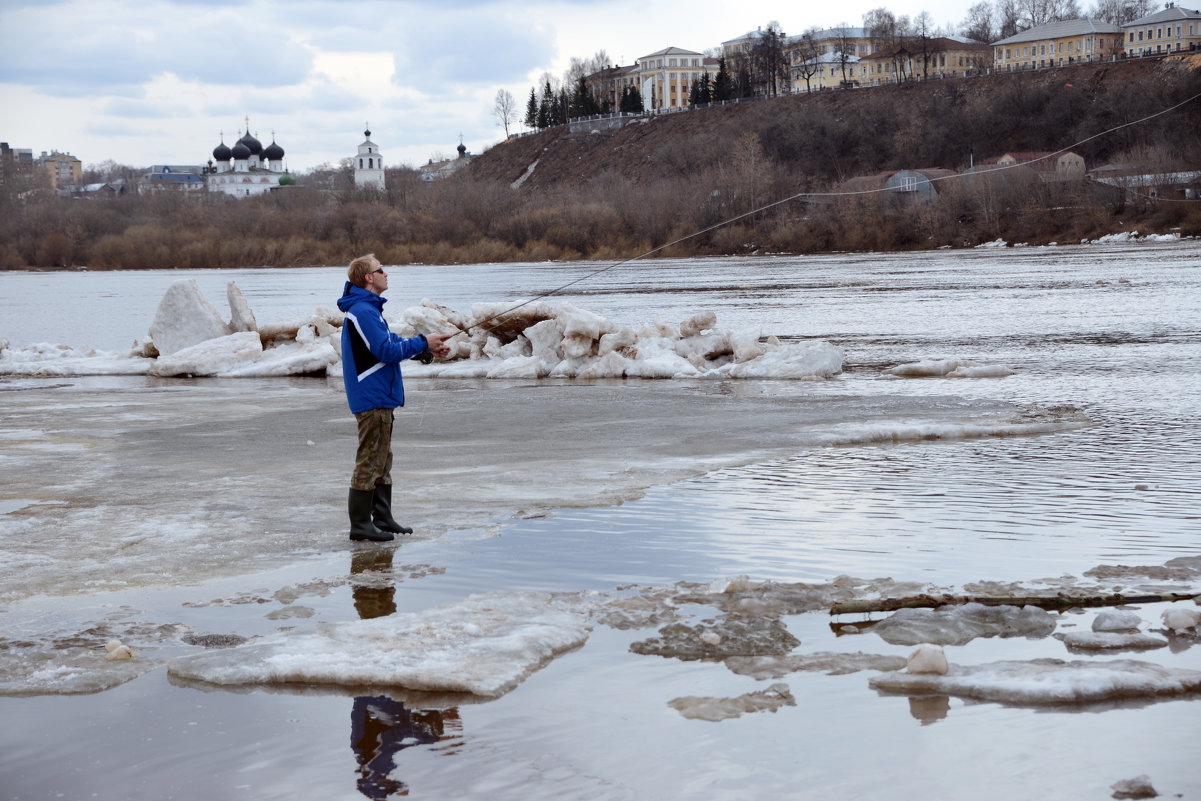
(158, 510)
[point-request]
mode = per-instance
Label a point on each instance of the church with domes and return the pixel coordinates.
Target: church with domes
(247, 169)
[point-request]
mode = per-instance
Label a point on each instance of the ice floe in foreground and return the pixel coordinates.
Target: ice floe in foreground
(1048, 681)
(484, 645)
(189, 337)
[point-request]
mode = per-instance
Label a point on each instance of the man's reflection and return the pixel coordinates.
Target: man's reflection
(381, 726)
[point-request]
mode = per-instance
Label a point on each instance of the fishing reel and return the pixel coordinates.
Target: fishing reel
(425, 357)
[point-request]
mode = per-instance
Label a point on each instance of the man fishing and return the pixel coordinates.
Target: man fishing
(371, 357)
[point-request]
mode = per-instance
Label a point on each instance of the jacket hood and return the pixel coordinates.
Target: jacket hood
(352, 294)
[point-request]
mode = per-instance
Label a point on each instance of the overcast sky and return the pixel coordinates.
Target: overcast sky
(158, 81)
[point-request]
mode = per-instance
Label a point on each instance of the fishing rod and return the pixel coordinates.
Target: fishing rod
(798, 195)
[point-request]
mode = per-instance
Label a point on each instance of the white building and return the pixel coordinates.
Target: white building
(368, 165)
(247, 169)
(666, 77)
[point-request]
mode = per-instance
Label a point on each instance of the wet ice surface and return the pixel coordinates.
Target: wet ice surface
(147, 510)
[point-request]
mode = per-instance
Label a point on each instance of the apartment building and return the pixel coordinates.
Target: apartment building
(63, 170)
(1171, 30)
(16, 165)
(1057, 44)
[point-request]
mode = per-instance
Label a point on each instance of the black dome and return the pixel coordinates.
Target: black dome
(273, 152)
(222, 152)
(252, 144)
(240, 151)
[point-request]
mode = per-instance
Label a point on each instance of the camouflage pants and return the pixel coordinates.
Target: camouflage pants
(373, 463)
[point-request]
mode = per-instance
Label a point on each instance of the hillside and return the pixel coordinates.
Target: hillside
(826, 137)
(751, 177)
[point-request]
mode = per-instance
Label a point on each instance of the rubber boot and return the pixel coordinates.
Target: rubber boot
(381, 511)
(361, 527)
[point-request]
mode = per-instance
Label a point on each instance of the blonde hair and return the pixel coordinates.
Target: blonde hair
(357, 272)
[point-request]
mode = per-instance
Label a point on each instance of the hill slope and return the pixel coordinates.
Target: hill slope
(822, 138)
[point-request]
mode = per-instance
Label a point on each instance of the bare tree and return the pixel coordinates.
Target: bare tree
(599, 61)
(1119, 12)
(505, 109)
(978, 25)
(1009, 18)
(1033, 13)
(804, 57)
(890, 35)
(769, 66)
(923, 29)
(845, 47)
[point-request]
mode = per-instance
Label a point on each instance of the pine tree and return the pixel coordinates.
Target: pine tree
(723, 88)
(704, 89)
(544, 107)
(531, 111)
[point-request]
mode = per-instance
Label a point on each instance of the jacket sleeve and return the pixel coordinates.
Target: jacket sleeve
(386, 346)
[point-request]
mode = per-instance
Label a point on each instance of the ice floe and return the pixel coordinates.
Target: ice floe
(484, 645)
(1111, 641)
(718, 709)
(949, 368)
(1041, 682)
(1116, 620)
(960, 624)
(1130, 236)
(1138, 787)
(1179, 620)
(833, 663)
(749, 636)
(189, 336)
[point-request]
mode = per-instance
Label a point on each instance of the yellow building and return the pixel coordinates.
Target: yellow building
(817, 61)
(666, 77)
(1172, 30)
(608, 84)
(63, 169)
(1057, 44)
(917, 61)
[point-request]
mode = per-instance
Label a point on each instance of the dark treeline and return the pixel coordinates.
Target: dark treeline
(612, 197)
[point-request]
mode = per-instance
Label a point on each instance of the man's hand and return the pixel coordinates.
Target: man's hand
(437, 344)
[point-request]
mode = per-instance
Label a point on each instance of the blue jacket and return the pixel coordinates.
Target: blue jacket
(371, 354)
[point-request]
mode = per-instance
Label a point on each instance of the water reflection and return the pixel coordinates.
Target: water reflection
(929, 708)
(374, 587)
(381, 726)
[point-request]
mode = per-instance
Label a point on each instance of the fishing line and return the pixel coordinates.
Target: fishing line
(790, 198)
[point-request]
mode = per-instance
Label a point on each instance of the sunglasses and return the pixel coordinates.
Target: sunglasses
(373, 272)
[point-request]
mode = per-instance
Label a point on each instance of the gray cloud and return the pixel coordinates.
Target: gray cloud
(101, 51)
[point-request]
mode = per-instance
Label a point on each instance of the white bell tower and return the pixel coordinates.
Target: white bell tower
(368, 165)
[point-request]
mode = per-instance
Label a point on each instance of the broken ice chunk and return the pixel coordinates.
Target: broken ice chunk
(928, 659)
